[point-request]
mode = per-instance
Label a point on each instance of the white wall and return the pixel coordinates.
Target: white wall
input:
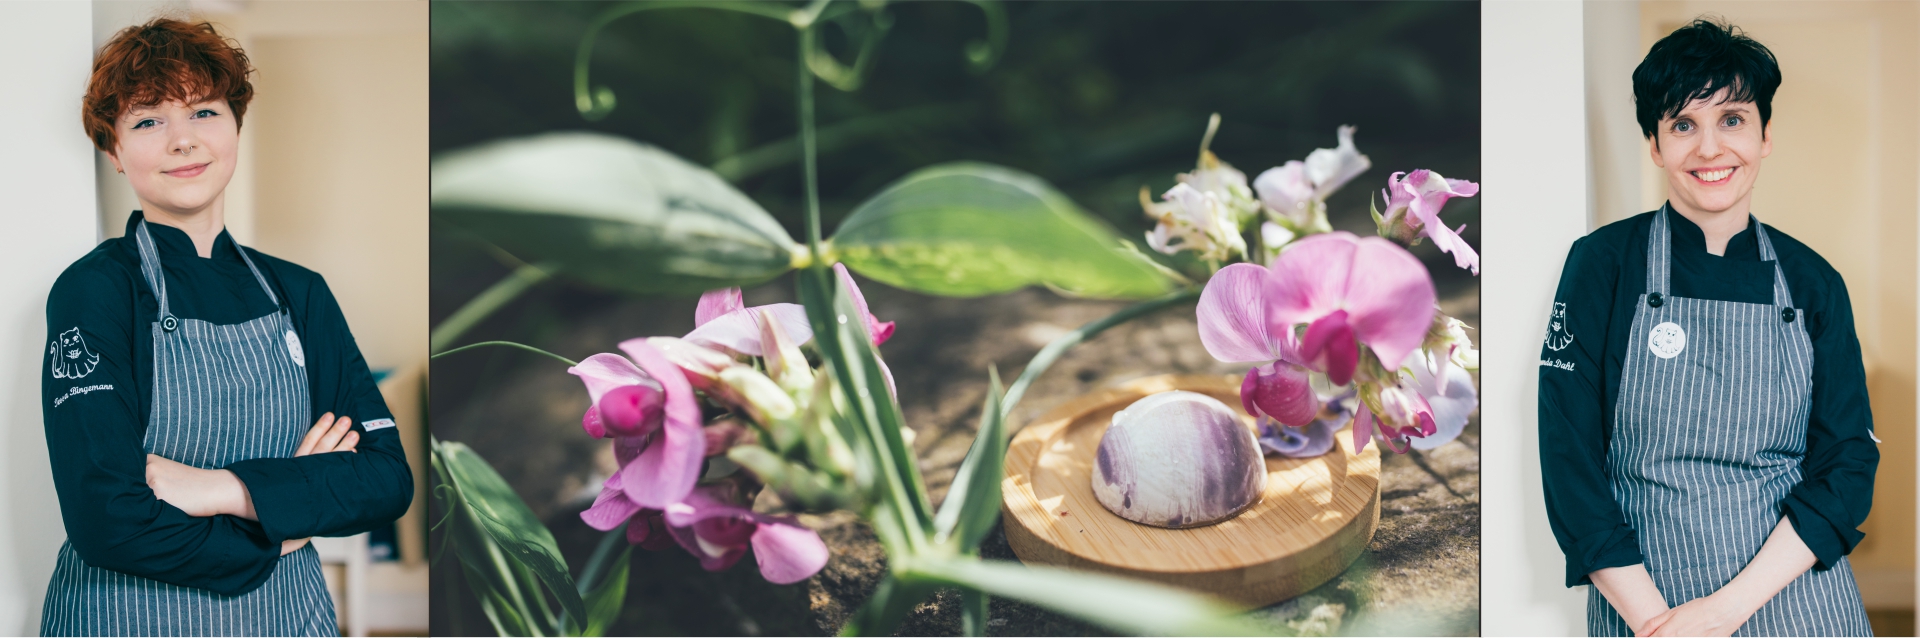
(1534, 205)
(47, 177)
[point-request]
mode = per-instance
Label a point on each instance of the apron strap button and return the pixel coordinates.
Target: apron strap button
(168, 323)
(1786, 315)
(1654, 300)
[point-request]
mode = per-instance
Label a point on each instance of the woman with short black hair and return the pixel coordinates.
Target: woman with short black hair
(1705, 438)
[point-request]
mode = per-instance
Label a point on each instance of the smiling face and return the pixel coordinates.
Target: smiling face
(1711, 153)
(177, 156)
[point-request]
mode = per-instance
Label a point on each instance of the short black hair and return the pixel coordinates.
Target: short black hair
(1697, 61)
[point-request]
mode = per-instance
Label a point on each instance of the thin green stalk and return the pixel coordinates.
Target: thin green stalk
(808, 145)
(510, 344)
(1061, 344)
(484, 304)
(595, 105)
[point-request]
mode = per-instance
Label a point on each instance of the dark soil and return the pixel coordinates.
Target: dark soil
(1419, 576)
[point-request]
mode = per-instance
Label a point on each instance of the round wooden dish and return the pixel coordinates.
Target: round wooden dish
(1312, 521)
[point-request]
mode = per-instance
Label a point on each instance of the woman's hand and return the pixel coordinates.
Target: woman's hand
(1712, 615)
(329, 435)
(196, 491)
(201, 492)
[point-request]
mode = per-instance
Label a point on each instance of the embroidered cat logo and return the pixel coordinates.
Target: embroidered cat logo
(71, 358)
(1558, 337)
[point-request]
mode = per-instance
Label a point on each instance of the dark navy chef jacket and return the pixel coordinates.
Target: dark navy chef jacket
(1580, 367)
(96, 413)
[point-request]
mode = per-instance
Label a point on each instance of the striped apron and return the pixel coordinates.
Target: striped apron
(1708, 436)
(221, 394)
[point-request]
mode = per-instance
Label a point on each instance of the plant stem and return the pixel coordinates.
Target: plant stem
(808, 150)
(511, 344)
(484, 304)
(1061, 344)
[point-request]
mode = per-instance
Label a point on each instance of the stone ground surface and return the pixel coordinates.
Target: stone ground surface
(1419, 576)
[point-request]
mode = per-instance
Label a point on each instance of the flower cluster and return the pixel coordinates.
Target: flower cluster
(1341, 329)
(677, 482)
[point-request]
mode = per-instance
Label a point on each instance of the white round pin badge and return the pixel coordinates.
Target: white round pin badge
(293, 349)
(1667, 340)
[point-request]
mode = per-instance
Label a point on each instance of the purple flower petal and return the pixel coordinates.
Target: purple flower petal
(715, 303)
(1309, 280)
(1390, 300)
(633, 410)
(604, 372)
(666, 471)
(1452, 402)
(1362, 429)
(1232, 314)
(611, 507)
(1280, 390)
(787, 552)
(1314, 439)
(739, 330)
(876, 330)
(1329, 346)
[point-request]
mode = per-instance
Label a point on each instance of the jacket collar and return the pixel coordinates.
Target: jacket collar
(173, 242)
(1687, 237)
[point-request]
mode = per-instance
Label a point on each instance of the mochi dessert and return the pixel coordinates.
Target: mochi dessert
(1178, 459)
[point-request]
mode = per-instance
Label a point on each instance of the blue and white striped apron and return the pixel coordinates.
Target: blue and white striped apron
(1708, 436)
(221, 394)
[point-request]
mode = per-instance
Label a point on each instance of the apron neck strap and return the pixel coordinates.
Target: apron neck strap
(1660, 258)
(156, 279)
(1781, 295)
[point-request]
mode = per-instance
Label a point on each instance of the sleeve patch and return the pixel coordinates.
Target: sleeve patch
(1558, 335)
(377, 424)
(71, 358)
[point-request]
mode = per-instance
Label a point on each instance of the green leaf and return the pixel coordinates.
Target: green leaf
(973, 612)
(504, 534)
(973, 501)
(604, 601)
(847, 352)
(611, 212)
(969, 229)
(886, 608)
(1119, 604)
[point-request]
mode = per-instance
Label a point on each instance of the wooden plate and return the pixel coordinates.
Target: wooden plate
(1312, 521)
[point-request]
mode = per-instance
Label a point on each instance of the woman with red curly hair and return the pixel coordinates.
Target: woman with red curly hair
(183, 371)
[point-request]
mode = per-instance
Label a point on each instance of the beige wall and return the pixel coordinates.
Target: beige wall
(1844, 178)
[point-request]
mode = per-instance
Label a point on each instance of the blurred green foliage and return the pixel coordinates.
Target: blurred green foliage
(1096, 98)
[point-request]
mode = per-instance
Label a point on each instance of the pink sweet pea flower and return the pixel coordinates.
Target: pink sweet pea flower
(1233, 327)
(718, 532)
(659, 457)
(1449, 391)
(1403, 414)
(724, 323)
(878, 331)
(1349, 291)
(1417, 201)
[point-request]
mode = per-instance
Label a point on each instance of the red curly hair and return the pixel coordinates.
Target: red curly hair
(161, 61)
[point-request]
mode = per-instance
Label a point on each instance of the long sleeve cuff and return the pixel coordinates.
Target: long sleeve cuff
(1828, 541)
(282, 497)
(1617, 547)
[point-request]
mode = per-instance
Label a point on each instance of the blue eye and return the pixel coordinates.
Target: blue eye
(143, 124)
(1732, 120)
(206, 112)
(1682, 126)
